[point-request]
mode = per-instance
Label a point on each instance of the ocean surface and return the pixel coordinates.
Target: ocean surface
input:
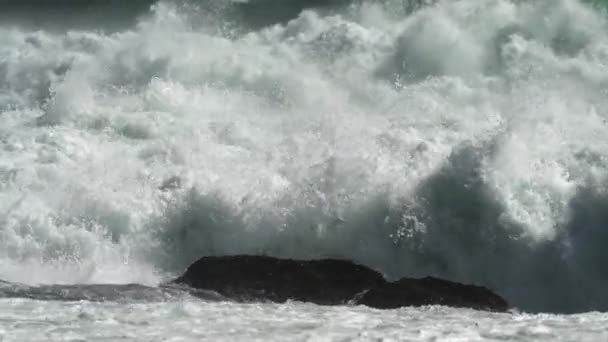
(463, 139)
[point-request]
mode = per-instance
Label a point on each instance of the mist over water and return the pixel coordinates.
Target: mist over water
(462, 139)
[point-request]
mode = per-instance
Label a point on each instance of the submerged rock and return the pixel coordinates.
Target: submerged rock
(429, 290)
(328, 282)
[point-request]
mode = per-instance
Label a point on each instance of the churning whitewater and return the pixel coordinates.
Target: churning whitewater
(460, 139)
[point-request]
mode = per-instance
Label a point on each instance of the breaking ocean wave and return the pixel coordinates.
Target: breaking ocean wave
(460, 139)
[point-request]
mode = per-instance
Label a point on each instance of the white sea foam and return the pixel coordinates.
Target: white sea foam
(466, 140)
(27, 320)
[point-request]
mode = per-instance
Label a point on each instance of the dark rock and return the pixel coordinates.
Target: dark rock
(417, 292)
(260, 277)
(328, 282)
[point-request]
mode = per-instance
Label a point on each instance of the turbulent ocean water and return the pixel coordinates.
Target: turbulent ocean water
(463, 139)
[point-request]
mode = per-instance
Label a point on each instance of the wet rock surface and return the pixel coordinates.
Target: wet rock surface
(328, 282)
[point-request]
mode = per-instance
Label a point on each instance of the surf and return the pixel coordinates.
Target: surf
(459, 139)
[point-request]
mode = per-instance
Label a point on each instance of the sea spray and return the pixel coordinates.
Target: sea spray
(461, 139)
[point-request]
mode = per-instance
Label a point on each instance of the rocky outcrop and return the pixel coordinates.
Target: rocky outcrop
(258, 277)
(425, 291)
(327, 282)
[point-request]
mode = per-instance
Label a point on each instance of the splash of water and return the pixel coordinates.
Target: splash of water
(464, 139)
